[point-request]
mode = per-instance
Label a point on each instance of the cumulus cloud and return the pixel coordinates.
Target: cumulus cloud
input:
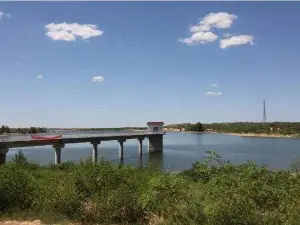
(222, 20)
(214, 85)
(199, 37)
(69, 32)
(1, 14)
(213, 93)
(98, 79)
(39, 77)
(236, 40)
(201, 32)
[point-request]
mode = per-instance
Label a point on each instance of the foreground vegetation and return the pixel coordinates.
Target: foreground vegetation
(283, 128)
(212, 192)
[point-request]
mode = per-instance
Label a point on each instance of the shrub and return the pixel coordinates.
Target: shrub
(165, 196)
(17, 188)
(19, 158)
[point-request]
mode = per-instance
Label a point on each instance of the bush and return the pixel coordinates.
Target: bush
(165, 195)
(17, 188)
(19, 158)
(213, 192)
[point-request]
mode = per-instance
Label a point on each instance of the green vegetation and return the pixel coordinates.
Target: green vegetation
(197, 127)
(31, 130)
(284, 128)
(213, 192)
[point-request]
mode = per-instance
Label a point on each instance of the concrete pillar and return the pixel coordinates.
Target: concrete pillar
(140, 140)
(95, 150)
(121, 149)
(58, 147)
(3, 151)
(155, 143)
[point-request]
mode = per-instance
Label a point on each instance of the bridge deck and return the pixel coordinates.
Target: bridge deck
(14, 141)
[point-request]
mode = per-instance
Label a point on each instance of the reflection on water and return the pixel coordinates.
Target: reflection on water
(181, 150)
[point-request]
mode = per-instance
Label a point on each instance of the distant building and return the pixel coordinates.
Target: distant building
(155, 126)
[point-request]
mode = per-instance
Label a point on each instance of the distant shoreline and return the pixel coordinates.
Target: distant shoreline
(263, 135)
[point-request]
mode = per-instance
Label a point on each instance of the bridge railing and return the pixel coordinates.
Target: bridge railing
(76, 134)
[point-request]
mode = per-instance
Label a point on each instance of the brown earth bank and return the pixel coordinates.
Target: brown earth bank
(263, 135)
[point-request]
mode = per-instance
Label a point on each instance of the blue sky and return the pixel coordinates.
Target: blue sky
(109, 64)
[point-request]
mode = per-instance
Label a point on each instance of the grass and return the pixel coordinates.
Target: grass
(212, 192)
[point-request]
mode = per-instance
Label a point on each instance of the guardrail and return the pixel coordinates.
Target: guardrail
(75, 134)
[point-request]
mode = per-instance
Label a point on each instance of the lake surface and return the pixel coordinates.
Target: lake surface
(181, 150)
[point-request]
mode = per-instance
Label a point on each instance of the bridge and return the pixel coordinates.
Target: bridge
(154, 135)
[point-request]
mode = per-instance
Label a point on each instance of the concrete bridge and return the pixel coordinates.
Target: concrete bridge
(154, 136)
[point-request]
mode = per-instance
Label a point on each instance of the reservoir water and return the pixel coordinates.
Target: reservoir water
(181, 150)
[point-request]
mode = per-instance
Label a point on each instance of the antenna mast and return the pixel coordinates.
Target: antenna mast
(264, 112)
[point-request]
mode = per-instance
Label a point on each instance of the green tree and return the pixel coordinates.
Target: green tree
(2, 129)
(6, 130)
(199, 127)
(32, 130)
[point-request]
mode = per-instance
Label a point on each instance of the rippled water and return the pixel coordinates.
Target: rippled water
(181, 150)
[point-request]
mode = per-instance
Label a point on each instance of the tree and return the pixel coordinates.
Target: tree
(6, 130)
(32, 130)
(2, 129)
(199, 127)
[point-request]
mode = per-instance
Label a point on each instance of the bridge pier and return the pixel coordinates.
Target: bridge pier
(121, 149)
(3, 151)
(58, 147)
(95, 150)
(155, 143)
(140, 140)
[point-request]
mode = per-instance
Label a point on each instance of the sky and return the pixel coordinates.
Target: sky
(112, 64)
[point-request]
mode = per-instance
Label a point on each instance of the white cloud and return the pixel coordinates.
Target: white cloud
(236, 40)
(214, 85)
(2, 14)
(75, 90)
(201, 32)
(213, 93)
(98, 79)
(199, 37)
(69, 32)
(222, 20)
(39, 77)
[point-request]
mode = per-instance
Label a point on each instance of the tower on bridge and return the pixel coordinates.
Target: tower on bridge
(155, 143)
(155, 126)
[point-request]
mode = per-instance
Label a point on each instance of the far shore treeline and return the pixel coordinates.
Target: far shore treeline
(31, 130)
(284, 128)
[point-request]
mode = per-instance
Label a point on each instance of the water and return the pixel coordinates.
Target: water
(181, 150)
